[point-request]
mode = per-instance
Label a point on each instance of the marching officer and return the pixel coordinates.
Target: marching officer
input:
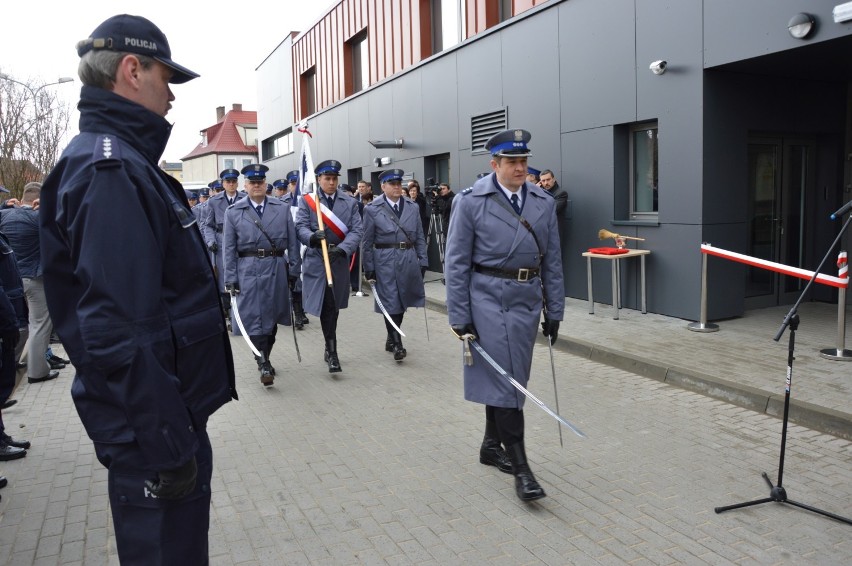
(214, 220)
(262, 263)
(395, 255)
(342, 234)
(503, 252)
(288, 195)
(279, 189)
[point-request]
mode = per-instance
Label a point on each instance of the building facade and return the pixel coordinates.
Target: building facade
(740, 138)
(230, 143)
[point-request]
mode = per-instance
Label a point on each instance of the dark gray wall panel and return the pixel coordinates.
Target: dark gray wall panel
(479, 82)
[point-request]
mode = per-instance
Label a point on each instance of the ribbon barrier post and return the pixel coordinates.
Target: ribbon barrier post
(701, 325)
(840, 353)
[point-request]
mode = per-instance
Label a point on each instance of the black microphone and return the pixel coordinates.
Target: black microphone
(842, 210)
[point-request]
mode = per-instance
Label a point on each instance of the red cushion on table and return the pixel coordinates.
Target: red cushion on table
(608, 251)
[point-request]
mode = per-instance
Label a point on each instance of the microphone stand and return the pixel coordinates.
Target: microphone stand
(777, 492)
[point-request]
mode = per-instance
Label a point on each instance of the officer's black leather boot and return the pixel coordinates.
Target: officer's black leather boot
(259, 361)
(298, 312)
(399, 352)
(526, 485)
(331, 356)
(491, 453)
(389, 342)
(267, 374)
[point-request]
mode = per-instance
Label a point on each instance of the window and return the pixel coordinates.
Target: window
(277, 145)
(644, 173)
(505, 10)
(445, 16)
(229, 164)
(484, 126)
(360, 60)
(247, 162)
(309, 92)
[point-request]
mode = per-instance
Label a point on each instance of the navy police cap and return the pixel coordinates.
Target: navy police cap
(190, 195)
(328, 167)
(204, 193)
(255, 171)
(293, 176)
(280, 183)
(215, 185)
(509, 143)
(391, 175)
(135, 34)
(533, 171)
(229, 174)
(269, 188)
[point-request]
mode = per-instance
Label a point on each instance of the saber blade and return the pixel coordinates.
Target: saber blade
(523, 389)
(242, 328)
(385, 312)
(555, 392)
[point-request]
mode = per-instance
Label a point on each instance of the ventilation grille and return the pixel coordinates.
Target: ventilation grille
(484, 126)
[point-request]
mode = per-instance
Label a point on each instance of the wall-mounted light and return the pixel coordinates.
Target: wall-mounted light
(801, 25)
(381, 161)
(842, 12)
(386, 144)
(658, 67)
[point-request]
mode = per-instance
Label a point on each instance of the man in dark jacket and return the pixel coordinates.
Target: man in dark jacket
(132, 297)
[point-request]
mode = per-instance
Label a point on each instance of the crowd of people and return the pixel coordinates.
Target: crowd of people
(143, 301)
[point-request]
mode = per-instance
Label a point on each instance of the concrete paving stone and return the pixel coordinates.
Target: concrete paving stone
(24, 558)
(49, 546)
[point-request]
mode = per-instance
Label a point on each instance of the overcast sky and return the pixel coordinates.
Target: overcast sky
(224, 42)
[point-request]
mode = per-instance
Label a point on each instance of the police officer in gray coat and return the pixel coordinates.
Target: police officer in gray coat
(214, 221)
(342, 233)
(395, 254)
(262, 263)
(496, 271)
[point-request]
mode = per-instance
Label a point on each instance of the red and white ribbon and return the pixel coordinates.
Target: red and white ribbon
(328, 217)
(839, 282)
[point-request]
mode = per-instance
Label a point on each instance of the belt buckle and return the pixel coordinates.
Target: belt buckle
(523, 274)
(402, 246)
(261, 253)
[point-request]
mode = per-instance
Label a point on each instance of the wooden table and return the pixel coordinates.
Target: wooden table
(616, 277)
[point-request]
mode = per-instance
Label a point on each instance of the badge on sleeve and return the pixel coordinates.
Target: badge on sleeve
(107, 152)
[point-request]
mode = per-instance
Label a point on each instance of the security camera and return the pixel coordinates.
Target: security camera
(658, 67)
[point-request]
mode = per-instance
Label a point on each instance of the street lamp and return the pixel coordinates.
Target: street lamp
(59, 81)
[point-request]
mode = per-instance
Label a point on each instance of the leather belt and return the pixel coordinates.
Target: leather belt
(394, 246)
(522, 274)
(263, 253)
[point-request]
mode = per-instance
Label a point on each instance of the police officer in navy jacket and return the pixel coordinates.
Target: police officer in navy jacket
(495, 270)
(133, 298)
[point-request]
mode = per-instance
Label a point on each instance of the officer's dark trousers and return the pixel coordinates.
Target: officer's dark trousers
(154, 531)
(328, 316)
(509, 421)
(8, 372)
(264, 342)
(397, 319)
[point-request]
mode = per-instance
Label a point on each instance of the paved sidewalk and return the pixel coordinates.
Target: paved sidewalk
(378, 465)
(741, 363)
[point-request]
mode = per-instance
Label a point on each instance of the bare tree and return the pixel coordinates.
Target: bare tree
(33, 124)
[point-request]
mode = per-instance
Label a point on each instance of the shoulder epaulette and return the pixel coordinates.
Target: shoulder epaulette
(467, 190)
(107, 152)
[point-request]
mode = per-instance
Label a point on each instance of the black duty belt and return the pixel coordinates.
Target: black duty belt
(394, 246)
(523, 274)
(263, 253)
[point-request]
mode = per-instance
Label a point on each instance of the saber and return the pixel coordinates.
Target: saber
(426, 320)
(293, 327)
(242, 328)
(382, 307)
(519, 387)
(555, 392)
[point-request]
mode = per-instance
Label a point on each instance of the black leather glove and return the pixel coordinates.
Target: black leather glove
(316, 238)
(214, 247)
(233, 288)
(370, 275)
(291, 280)
(462, 329)
(550, 328)
(336, 253)
(422, 272)
(10, 338)
(176, 483)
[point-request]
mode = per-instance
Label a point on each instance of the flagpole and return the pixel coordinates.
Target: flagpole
(306, 154)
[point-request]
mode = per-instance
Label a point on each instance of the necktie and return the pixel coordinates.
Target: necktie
(230, 201)
(329, 202)
(515, 204)
(396, 210)
(259, 209)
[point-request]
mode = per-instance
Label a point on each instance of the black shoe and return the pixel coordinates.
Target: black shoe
(331, 356)
(493, 455)
(11, 453)
(527, 487)
(399, 352)
(57, 360)
(3, 482)
(9, 403)
(50, 375)
(304, 319)
(6, 439)
(55, 365)
(389, 344)
(267, 375)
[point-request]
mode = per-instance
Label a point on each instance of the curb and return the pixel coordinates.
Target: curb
(822, 419)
